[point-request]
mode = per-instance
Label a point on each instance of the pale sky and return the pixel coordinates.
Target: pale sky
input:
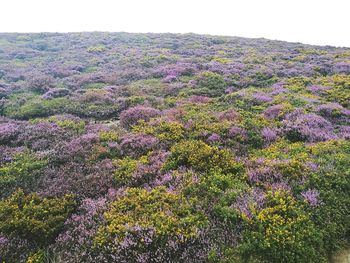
(319, 22)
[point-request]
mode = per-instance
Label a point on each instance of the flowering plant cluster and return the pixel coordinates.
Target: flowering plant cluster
(172, 148)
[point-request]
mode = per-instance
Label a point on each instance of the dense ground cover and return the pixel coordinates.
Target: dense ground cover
(119, 147)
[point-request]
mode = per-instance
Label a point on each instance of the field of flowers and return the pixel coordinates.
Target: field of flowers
(137, 148)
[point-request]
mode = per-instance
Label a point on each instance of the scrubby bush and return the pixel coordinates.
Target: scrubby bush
(34, 218)
(145, 223)
(23, 171)
(131, 116)
(281, 231)
(200, 156)
(210, 83)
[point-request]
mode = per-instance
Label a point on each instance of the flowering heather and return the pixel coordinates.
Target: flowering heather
(230, 115)
(137, 144)
(249, 203)
(76, 242)
(9, 132)
(237, 132)
(311, 197)
(214, 138)
(316, 89)
(269, 135)
(342, 67)
(131, 116)
(262, 97)
(152, 148)
(199, 99)
(309, 127)
(278, 88)
(274, 111)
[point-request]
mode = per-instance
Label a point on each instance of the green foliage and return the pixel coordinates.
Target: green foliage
(34, 218)
(96, 49)
(210, 83)
(201, 157)
(125, 169)
(77, 126)
(22, 172)
(333, 182)
(339, 88)
(165, 131)
(281, 232)
(35, 108)
(40, 256)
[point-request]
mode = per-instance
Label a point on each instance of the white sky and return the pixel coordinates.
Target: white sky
(308, 21)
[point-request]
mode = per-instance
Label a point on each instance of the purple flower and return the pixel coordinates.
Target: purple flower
(250, 202)
(345, 132)
(137, 144)
(342, 68)
(214, 138)
(278, 88)
(9, 131)
(262, 97)
(273, 112)
(269, 135)
(199, 99)
(309, 127)
(316, 89)
(230, 115)
(311, 197)
(237, 132)
(131, 116)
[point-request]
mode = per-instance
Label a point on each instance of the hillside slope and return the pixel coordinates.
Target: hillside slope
(118, 147)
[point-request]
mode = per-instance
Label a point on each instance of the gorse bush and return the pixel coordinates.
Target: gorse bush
(31, 217)
(144, 221)
(281, 231)
(200, 156)
(23, 171)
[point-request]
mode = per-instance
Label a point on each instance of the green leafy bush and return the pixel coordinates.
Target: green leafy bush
(210, 83)
(22, 172)
(281, 232)
(168, 214)
(34, 218)
(201, 157)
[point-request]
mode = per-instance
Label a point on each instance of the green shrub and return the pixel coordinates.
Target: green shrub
(333, 183)
(201, 157)
(281, 232)
(22, 172)
(34, 218)
(210, 83)
(168, 214)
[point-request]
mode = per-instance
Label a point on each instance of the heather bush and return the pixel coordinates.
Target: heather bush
(138, 172)
(137, 144)
(9, 132)
(76, 242)
(308, 127)
(82, 180)
(131, 116)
